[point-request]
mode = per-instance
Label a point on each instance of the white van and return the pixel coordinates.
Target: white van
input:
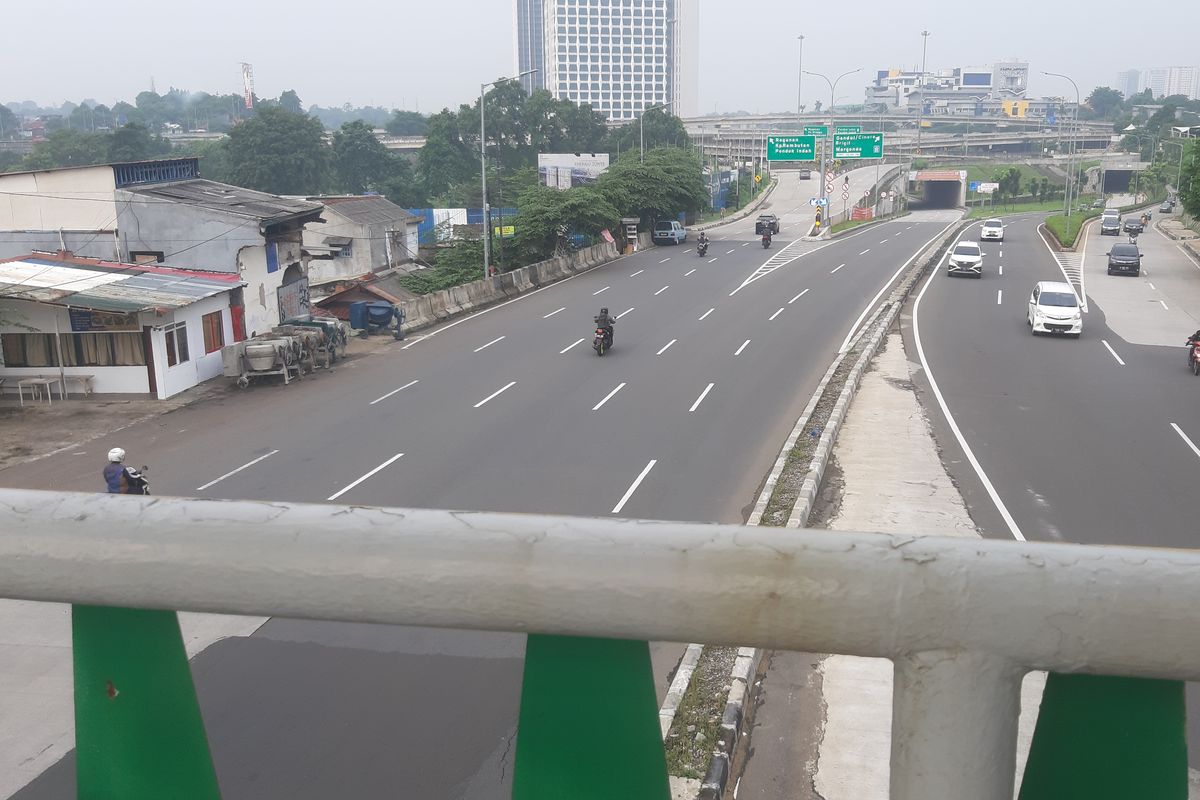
(669, 231)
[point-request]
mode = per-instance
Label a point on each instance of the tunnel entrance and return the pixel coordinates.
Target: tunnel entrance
(941, 189)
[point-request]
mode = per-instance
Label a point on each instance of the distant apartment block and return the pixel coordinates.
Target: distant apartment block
(1167, 81)
(619, 56)
(1127, 82)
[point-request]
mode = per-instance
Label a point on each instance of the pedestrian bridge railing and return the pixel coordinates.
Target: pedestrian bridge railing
(962, 619)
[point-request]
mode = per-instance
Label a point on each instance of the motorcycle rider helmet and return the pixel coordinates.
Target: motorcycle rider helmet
(604, 311)
(116, 454)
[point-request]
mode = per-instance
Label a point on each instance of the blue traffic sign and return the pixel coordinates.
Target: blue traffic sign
(973, 186)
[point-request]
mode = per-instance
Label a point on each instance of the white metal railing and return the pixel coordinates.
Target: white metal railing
(962, 619)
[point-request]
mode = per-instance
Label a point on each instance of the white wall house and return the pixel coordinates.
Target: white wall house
(132, 329)
(359, 235)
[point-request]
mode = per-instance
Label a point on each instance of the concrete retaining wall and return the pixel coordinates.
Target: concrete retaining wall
(435, 307)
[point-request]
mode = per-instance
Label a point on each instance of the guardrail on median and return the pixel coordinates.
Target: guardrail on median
(962, 620)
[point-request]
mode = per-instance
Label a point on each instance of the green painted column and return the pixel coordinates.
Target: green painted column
(589, 722)
(138, 730)
(1102, 737)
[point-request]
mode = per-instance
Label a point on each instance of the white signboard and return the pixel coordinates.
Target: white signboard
(564, 170)
(988, 188)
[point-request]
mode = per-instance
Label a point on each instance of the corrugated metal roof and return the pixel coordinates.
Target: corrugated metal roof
(367, 209)
(227, 199)
(65, 280)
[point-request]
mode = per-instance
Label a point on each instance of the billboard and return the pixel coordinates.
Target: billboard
(564, 170)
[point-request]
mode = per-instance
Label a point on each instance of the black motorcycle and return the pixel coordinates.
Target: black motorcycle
(766, 240)
(138, 482)
(702, 249)
(602, 342)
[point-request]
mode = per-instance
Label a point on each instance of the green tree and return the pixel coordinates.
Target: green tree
(10, 126)
(545, 212)
(153, 109)
(279, 152)
(445, 159)
(660, 128)
(68, 148)
(134, 142)
(507, 127)
(289, 101)
(360, 161)
(406, 123)
(402, 186)
(1009, 179)
(9, 161)
(669, 182)
(1189, 183)
(1105, 102)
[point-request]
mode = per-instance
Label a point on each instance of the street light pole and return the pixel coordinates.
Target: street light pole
(800, 89)
(487, 220)
(824, 161)
(642, 131)
(921, 109)
(1070, 146)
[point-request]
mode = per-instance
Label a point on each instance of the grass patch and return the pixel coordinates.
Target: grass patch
(697, 722)
(977, 172)
(1067, 230)
(983, 212)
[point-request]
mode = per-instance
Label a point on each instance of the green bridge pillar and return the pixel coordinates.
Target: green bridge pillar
(138, 730)
(1102, 737)
(589, 722)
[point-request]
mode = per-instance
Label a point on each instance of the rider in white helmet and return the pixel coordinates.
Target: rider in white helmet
(119, 478)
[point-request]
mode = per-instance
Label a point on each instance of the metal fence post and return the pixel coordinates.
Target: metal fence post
(138, 730)
(1099, 736)
(954, 726)
(589, 725)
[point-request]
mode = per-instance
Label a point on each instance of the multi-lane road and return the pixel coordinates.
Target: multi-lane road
(1091, 440)
(506, 410)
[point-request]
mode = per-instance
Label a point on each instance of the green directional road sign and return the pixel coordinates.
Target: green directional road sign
(816, 130)
(848, 129)
(857, 145)
(791, 148)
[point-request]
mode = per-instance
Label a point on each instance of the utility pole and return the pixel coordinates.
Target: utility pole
(921, 110)
(1070, 146)
(800, 90)
(824, 161)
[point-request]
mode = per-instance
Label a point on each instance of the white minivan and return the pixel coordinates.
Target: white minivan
(1054, 308)
(669, 231)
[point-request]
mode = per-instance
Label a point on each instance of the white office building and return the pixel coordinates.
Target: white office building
(1167, 81)
(620, 56)
(1127, 82)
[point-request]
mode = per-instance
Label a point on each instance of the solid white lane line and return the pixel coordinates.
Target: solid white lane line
(633, 487)
(1113, 352)
(706, 313)
(608, 396)
(999, 296)
(639, 272)
(605, 289)
(665, 260)
(665, 346)
(382, 466)
(738, 352)
(247, 465)
(884, 288)
(776, 314)
(568, 347)
(864, 252)
(623, 313)
(689, 272)
(937, 393)
(700, 399)
(1164, 305)
(498, 392)
(552, 313)
(1185, 438)
(1151, 283)
(663, 289)
(489, 344)
(729, 251)
(835, 269)
(711, 260)
(392, 392)
(797, 297)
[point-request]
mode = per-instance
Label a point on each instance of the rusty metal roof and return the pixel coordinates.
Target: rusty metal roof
(228, 199)
(63, 279)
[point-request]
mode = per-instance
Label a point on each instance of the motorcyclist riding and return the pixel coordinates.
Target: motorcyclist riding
(605, 322)
(702, 243)
(766, 237)
(120, 479)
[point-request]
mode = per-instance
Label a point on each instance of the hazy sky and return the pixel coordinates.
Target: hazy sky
(430, 54)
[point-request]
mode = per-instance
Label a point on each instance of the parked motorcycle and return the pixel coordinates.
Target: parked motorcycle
(702, 249)
(1193, 348)
(766, 239)
(602, 342)
(138, 482)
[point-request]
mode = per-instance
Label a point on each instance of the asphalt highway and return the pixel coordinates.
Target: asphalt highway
(506, 410)
(1091, 440)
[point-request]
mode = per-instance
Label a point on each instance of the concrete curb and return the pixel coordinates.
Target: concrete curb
(739, 215)
(679, 685)
(741, 694)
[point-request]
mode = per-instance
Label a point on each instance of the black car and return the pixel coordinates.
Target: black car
(766, 222)
(806, 174)
(1167, 207)
(1125, 259)
(1134, 225)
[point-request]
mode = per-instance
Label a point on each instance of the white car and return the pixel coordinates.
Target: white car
(992, 231)
(1054, 308)
(965, 259)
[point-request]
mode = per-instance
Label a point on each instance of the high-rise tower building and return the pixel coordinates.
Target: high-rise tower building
(529, 43)
(619, 56)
